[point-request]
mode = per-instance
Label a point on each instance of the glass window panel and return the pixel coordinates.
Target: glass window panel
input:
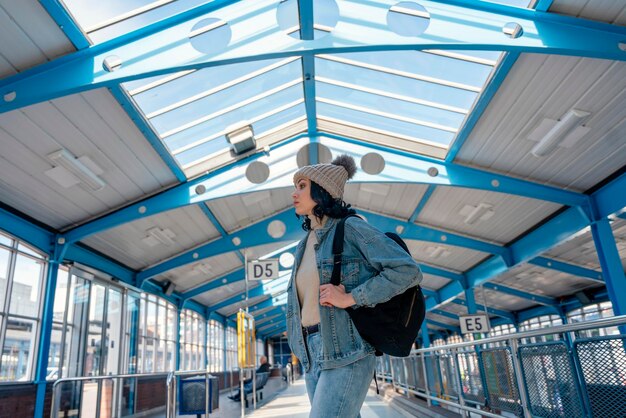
(162, 322)
(151, 319)
(161, 353)
(171, 324)
(190, 85)
(113, 333)
(392, 126)
(250, 112)
(425, 64)
(55, 355)
(28, 250)
(5, 256)
(18, 350)
(232, 96)
(394, 84)
(140, 355)
(384, 104)
(4, 240)
(60, 295)
(208, 148)
(26, 283)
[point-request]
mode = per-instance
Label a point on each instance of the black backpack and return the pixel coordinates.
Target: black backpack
(392, 326)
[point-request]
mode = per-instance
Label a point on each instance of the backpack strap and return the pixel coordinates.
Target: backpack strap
(335, 279)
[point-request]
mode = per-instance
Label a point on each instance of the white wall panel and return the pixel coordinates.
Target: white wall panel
(35, 37)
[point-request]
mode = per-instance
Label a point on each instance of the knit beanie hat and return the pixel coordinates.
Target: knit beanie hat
(331, 177)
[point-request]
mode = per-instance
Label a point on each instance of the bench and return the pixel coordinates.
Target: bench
(261, 381)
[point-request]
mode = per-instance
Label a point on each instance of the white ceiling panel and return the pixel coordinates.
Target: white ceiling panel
(513, 215)
(434, 282)
(499, 300)
(547, 86)
(609, 11)
(34, 36)
(90, 124)
(239, 211)
(221, 293)
(451, 258)
(540, 281)
(579, 250)
(393, 199)
(192, 275)
(126, 243)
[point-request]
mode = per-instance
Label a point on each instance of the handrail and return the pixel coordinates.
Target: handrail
(54, 412)
(597, 323)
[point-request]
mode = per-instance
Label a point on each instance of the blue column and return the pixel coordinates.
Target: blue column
(45, 335)
(178, 315)
(612, 270)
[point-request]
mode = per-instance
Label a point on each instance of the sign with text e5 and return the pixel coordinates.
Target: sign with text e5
(263, 269)
(474, 323)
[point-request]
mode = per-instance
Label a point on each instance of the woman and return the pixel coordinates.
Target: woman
(339, 364)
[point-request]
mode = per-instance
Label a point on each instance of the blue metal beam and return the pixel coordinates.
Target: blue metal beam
(447, 314)
(271, 324)
(568, 268)
(305, 13)
(250, 236)
(276, 310)
(413, 168)
(436, 271)
(442, 325)
(499, 312)
(278, 300)
(496, 80)
(543, 300)
(92, 259)
(611, 265)
(275, 330)
(418, 209)
(167, 50)
(216, 223)
(274, 286)
(610, 199)
(143, 126)
(26, 231)
(66, 23)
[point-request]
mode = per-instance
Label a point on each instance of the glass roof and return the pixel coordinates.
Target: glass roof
(412, 100)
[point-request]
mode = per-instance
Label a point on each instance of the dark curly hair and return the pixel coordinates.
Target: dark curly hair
(326, 205)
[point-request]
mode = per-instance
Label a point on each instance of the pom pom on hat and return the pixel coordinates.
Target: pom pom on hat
(331, 177)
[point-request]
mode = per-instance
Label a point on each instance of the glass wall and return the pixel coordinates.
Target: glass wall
(156, 346)
(192, 346)
(540, 322)
(589, 313)
(215, 348)
(22, 276)
(231, 348)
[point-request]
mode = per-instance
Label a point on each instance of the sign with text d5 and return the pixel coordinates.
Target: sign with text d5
(263, 269)
(474, 323)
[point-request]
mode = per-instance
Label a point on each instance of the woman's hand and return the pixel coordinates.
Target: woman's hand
(335, 296)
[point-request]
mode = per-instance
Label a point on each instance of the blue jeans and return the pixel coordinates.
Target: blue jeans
(340, 392)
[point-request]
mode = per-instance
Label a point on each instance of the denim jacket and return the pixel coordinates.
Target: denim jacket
(374, 269)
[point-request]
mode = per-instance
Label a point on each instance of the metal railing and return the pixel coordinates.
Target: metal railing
(567, 377)
(78, 394)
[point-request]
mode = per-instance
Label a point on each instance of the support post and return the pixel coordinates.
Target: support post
(611, 264)
(46, 331)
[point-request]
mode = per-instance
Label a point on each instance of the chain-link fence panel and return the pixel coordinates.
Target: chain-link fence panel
(500, 378)
(603, 364)
(550, 381)
(471, 380)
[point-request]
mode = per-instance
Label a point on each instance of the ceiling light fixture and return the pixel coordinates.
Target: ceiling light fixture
(437, 252)
(472, 214)
(82, 169)
(241, 139)
(565, 132)
(157, 235)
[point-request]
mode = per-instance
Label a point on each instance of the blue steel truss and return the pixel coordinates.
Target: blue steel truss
(161, 48)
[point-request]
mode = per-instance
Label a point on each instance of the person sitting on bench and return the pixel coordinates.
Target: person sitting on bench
(247, 384)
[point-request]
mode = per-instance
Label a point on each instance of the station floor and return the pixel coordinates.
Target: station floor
(292, 402)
